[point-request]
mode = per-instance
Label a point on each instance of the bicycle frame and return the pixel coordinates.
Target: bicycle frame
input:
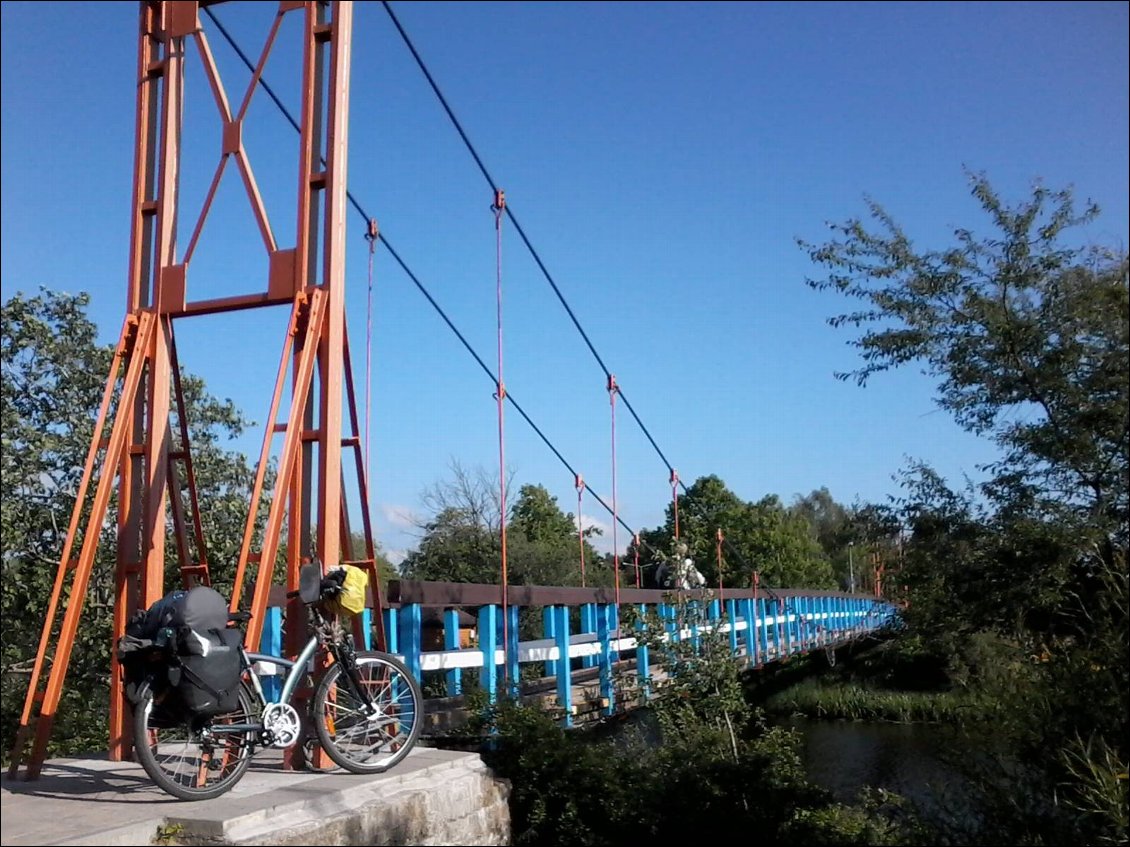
(293, 670)
(360, 728)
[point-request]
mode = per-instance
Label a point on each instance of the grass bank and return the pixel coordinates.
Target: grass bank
(849, 700)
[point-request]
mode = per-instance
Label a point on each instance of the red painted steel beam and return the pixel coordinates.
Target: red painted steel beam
(158, 290)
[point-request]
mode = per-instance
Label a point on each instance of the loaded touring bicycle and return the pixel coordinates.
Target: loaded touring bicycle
(199, 709)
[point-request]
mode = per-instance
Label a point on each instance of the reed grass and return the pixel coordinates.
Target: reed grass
(850, 701)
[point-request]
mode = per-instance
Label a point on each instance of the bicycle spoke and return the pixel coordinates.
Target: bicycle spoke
(364, 738)
(192, 762)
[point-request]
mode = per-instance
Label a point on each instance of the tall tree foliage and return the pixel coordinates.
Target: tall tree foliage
(1027, 335)
(460, 541)
(54, 372)
(1029, 338)
(762, 536)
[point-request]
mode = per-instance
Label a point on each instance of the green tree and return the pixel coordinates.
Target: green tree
(1020, 581)
(828, 521)
(697, 760)
(1027, 336)
(537, 516)
(54, 372)
(762, 536)
(461, 541)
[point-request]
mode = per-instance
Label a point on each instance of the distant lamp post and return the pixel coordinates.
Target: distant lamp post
(851, 567)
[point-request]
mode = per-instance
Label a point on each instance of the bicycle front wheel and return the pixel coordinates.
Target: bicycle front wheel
(188, 758)
(363, 740)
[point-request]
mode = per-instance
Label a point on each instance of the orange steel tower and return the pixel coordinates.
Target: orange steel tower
(136, 445)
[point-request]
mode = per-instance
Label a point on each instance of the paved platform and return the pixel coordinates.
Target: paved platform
(432, 797)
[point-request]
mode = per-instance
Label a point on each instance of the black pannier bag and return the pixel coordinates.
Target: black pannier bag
(183, 646)
(209, 670)
(146, 653)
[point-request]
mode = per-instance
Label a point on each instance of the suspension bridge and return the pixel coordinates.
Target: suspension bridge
(589, 646)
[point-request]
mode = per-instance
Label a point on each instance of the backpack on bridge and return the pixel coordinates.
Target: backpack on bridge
(183, 646)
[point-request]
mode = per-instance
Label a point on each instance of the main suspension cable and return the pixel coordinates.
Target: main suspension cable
(520, 230)
(383, 239)
(435, 305)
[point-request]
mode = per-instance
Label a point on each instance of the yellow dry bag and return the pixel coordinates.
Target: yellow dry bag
(351, 600)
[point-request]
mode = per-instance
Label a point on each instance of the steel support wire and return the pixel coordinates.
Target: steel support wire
(416, 280)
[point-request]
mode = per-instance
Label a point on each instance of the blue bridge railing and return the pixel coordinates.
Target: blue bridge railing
(444, 629)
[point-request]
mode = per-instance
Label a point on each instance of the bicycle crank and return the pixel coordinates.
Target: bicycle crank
(282, 724)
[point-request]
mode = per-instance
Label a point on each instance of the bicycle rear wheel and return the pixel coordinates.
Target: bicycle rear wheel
(363, 742)
(192, 759)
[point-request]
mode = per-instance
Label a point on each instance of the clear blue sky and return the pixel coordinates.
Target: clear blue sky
(662, 157)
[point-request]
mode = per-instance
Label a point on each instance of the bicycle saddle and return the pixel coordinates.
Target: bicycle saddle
(310, 583)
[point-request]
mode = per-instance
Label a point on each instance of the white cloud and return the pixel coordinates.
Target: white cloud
(396, 556)
(601, 543)
(589, 521)
(400, 517)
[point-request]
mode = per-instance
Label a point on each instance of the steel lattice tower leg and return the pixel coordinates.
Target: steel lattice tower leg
(140, 454)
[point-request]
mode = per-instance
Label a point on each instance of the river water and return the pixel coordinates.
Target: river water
(913, 760)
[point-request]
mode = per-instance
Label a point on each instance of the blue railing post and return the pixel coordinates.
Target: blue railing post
(800, 642)
(798, 645)
(809, 622)
(603, 630)
(799, 623)
(667, 619)
(367, 628)
(411, 632)
(786, 628)
(564, 665)
(714, 615)
(588, 624)
(696, 616)
(762, 631)
(451, 642)
(488, 643)
(392, 630)
(614, 626)
(512, 673)
(642, 668)
(778, 629)
(804, 624)
(773, 629)
(549, 623)
(272, 643)
(732, 615)
(750, 631)
(818, 605)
